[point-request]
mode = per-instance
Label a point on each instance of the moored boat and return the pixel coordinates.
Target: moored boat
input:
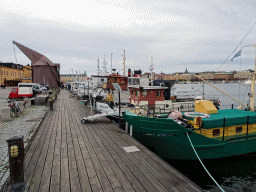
(214, 133)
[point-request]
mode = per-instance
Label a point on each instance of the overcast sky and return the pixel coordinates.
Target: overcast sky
(198, 34)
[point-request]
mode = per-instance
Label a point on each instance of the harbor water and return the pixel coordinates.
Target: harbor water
(236, 173)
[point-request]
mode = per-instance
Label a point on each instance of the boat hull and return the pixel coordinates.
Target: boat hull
(170, 141)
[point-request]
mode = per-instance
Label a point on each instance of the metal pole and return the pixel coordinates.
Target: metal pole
(88, 89)
(151, 71)
(203, 91)
(247, 125)
(119, 109)
(111, 63)
(84, 90)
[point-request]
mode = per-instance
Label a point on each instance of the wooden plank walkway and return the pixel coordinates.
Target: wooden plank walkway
(67, 155)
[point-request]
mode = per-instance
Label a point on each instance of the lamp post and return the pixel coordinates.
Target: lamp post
(16, 159)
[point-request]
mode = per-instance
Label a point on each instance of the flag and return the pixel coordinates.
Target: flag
(236, 55)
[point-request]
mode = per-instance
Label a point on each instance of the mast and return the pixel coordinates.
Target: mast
(98, 66)
(253, 84)
(124, 64)
(252, 94)
(151, 69)
(111, 62)
(105, 66)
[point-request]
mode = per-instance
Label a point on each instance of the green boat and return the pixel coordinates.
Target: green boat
(213, 133)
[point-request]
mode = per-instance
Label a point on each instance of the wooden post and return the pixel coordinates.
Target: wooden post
(223, 129)
(131, 130)
(126, 127)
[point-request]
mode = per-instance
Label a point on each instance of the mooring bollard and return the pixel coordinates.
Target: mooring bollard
(126, 127)
(131, 130)
(51, 104)
(16, 159)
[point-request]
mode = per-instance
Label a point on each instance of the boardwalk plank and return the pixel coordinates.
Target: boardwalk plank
(82, 172)
(36, 176)
(64, 171)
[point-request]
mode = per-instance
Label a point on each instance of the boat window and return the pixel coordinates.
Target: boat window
(132, 91)
(239, 130)
(158, 93)
(216, 132)
(144, 93)
(136, 81)
(137, 93)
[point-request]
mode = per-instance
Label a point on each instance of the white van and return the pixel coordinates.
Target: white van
(27, 88)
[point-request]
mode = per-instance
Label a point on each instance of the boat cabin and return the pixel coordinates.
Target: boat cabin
(99, 80)
(115, 78)
(141, 93)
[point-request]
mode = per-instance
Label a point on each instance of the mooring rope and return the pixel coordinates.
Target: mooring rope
(203, 164)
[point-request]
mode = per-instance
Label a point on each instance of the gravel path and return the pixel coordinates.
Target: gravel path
(24, 125)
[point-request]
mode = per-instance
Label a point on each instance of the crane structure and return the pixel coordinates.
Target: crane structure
(44, 70)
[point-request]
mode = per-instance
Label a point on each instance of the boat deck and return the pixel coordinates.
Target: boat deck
(69, 156)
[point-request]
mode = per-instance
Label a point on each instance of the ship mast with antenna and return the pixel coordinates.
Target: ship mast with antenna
(124, 64)
(111, 63)
(105, 66)
(98, 67)
(151, 69)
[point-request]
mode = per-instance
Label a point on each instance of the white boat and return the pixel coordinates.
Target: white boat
(248, 82)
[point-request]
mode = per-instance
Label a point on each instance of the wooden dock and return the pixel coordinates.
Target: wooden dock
(67, 155)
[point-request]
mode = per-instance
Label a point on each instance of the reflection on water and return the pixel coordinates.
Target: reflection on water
(233, 174)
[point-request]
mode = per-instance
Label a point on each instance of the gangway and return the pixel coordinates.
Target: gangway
(105, 111)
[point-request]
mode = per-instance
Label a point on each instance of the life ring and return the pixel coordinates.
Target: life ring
(193, 114)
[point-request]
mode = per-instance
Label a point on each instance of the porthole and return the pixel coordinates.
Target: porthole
(216, 132)
(239, 130)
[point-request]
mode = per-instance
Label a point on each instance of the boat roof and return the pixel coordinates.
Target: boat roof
(232, 117)
(147, 87)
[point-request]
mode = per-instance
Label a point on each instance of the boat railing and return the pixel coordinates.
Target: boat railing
(160, 109)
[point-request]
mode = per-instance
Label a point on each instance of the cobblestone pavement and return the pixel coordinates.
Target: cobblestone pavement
(4, 93)
(24, 125)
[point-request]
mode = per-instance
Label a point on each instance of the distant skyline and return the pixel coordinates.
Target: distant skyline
(197, 35)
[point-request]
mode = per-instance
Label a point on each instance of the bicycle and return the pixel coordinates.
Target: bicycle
(15, 109)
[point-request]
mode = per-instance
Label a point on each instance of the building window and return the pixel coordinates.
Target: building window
(144, 93)
(7, 73)
(239, 130)
(158, 93)
(216, 132)
(10, 73)
(4, 72)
